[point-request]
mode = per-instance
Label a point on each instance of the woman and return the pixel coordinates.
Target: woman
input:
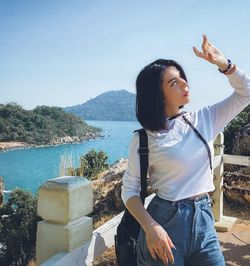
(178, 226)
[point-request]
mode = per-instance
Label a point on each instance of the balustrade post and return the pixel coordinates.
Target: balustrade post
(222, 223)
(63, 203)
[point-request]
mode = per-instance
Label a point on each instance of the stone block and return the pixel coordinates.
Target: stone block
(65, 199)
(58, 238)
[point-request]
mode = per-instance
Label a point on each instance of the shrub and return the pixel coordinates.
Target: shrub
(18, 224)
(93, 163)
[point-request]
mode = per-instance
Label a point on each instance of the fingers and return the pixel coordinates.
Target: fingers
(153, 253)
(167, 250)
(204, 44)
(207, 49)
(163, 251)
(198, 53)
(171, 243)
(160, 245)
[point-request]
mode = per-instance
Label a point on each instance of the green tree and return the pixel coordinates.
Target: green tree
(43, 125)
(18, 224)
(93, 163)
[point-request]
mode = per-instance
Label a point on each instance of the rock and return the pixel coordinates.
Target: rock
(236, 187)
(107, 188)
(241, 143)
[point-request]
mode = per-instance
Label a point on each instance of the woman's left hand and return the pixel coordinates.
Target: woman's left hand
(211, 54)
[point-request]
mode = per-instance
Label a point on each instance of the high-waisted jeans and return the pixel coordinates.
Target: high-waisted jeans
(190, 225)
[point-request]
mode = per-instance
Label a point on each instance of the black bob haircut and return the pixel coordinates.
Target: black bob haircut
(150, 111)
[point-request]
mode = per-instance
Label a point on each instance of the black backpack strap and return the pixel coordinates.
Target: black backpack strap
(143, 151)
(202, 139)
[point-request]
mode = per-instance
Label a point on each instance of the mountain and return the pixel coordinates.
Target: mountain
(42, 126)
(113, 106)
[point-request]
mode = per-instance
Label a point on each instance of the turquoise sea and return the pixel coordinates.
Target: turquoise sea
(29, 168)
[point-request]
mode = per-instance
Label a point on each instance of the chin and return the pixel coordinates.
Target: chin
(186, 102)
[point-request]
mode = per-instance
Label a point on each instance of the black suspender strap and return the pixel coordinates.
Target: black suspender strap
(202, 139)
(143, 151)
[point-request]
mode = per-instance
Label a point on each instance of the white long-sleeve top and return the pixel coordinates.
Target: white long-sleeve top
(178, 160)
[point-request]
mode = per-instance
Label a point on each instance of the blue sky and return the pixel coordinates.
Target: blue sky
(62, 53)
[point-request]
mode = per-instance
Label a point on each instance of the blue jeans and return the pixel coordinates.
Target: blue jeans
(190, 225)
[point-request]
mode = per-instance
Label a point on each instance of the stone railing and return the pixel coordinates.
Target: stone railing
(66, 237)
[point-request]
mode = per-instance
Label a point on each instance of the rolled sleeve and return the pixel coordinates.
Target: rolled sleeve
(131, 183)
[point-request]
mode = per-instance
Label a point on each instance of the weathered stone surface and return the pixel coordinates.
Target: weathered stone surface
(107, 189)
(237, 187)
(241, 142)
(64, 199)
(54, 238)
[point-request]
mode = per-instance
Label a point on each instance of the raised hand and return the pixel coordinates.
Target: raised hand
(211, 54)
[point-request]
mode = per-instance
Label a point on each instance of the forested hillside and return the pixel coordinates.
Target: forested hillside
(42, 125)
(109, 106)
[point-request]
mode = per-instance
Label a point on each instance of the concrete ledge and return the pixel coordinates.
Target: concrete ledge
(225, 224)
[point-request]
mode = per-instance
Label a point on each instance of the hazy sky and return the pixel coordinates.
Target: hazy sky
(62, 53)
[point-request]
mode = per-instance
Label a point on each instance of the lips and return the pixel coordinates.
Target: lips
(186, 94)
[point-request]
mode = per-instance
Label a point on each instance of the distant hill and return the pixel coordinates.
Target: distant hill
(113, 106)
(42, 126)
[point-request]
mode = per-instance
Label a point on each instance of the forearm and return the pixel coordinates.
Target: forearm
(136, 208)
(240, 81)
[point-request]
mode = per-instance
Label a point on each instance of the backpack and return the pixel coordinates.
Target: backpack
(128, 229)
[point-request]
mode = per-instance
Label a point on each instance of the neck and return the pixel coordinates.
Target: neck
(173, 112)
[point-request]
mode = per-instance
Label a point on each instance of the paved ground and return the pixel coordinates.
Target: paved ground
(236, 245)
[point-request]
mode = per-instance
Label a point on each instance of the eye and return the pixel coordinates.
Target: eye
(173, 83)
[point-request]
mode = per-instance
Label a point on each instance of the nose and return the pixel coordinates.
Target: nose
(183, 83)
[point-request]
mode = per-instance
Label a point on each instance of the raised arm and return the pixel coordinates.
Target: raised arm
(226, 110)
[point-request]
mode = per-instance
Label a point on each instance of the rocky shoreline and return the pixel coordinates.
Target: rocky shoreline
(15, 145)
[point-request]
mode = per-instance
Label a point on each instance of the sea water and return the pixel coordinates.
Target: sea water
(30, 168)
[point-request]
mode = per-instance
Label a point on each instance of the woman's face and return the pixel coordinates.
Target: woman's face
(175, 89)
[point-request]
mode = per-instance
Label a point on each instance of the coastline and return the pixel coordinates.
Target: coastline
(16, 145)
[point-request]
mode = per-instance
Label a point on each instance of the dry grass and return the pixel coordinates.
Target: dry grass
(108, 258)
(66, 165)
(237, 210)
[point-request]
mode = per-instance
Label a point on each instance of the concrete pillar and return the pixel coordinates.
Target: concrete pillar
(218, 179)
(222, 223)
(63, 203)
